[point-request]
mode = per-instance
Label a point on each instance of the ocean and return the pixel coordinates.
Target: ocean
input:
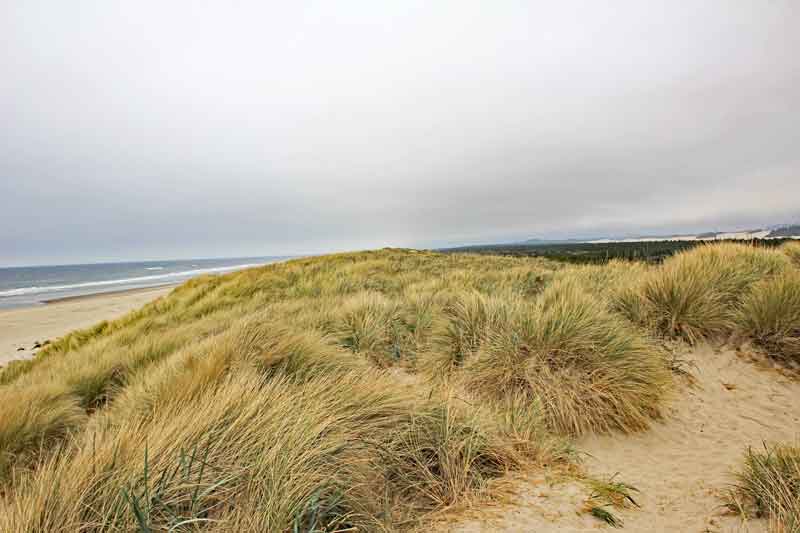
(29, 286)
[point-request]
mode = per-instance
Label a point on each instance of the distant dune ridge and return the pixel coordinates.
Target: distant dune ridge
(399, 390)
(773, 232)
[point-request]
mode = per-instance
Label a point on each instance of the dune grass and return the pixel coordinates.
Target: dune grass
(792, 250)
(770, 315)
(370, 390)
(255, 454)
(587, 367)
(240, 370)
(695, 294)
(769, 486)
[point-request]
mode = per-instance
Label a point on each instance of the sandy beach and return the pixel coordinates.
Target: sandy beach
(22, 328)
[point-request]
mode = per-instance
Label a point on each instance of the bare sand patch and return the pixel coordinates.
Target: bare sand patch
(682, 466)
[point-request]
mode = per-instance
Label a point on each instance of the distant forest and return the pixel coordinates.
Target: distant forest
(584, 252)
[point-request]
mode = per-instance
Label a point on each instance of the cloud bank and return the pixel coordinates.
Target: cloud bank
(194, 129)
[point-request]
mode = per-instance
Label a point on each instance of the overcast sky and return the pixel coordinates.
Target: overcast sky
(139, 129)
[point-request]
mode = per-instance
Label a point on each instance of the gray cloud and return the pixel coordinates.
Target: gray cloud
(142, 130)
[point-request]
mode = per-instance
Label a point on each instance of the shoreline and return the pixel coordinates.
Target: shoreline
(91, 296)
(14, 300)
(21, 328)
(49, 319)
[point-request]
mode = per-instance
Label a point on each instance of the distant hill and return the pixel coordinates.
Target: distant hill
(770, 232)
(786, 231)
(545, 242)
(774, 232)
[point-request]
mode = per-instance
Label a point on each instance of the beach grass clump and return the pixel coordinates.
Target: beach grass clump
(302, 354)
(695, 294)
(617, 282)
(770, 316)
(260, 343)
(627, 300)
(469, 318)
(586, 367)
(604, 279)
(769, 486)
(524, 426)
(422, 318)
(607, 495)
(14, 369)
(267, 454)
(792, 250)
(682, 303)
(36, 406)
(369, 323)
(446, 454)
(267, 448)
(32, 418)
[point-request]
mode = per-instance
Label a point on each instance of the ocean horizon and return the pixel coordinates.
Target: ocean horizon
(36, 285)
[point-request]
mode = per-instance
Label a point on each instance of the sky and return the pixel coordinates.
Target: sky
(152, 130)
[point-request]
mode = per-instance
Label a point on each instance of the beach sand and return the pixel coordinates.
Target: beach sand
(22, 328)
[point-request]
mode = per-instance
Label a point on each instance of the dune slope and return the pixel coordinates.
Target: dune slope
(392, 390)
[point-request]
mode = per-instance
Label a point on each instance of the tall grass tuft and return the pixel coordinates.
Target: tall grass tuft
(792, 250)
(31, 418)
(586, 367)
(770, 315)
(369, 324)
(769, 484)
(445, 454)
(683, 303)
(469, 319)
(694, 295)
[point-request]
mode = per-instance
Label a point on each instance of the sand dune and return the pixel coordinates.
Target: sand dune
(243, 357)
(682, 467)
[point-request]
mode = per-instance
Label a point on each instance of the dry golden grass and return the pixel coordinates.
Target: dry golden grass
(792, 250)
(770, 315)
(264, 399)
(769, 486)
(267, 452)
(587, 368)
(32, 418)
(694, 295)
